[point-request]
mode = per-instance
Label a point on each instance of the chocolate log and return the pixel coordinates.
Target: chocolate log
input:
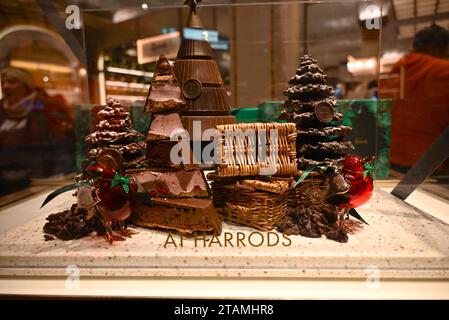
(185, 215)
(179, 183)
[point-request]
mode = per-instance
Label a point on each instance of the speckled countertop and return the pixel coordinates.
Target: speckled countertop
(400, 242)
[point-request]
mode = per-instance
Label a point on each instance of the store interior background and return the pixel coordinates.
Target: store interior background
(258, 48)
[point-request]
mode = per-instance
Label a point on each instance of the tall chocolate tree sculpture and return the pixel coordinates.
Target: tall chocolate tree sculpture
(201, 82)
(114, 131)
(320, 150)
(180, 194)
(311, 105)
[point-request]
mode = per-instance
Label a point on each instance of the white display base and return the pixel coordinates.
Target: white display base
(401, 242)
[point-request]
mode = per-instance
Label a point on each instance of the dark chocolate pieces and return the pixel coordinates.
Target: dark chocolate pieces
(73, 224)
(69, 224)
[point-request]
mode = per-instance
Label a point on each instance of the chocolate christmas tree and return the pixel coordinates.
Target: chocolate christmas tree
(200, 79)
(311, 105)
(320, 149)
(114, 131)
(180, 195)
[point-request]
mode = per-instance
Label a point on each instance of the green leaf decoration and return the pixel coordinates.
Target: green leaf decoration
(123, 181)
(63, 189)
(355, 214)
(369, 168)
(304, 175)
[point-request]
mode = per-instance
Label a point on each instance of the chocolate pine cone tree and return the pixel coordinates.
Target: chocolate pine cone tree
(311, 105)
(114, 131)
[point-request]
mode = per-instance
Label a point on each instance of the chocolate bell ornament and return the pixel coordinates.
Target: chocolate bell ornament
(201, 82)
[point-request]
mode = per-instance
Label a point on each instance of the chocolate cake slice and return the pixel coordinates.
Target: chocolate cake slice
(165, 127)
(185, 215)
(165, 94)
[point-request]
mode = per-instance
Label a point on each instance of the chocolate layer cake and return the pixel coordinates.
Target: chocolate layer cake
(186, 215)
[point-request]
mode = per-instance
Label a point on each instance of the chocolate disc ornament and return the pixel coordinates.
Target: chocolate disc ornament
(110, 159)
(192, 88)
(324, 112)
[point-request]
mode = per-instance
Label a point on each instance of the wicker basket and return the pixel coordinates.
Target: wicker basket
(259, 203)
(312, 191)
(241, 146)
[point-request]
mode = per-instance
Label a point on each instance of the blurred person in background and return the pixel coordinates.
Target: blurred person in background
(420, 118)
(36, 132)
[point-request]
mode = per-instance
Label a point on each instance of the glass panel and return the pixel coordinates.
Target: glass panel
(44, 75)
(414, 78)
(393, 96)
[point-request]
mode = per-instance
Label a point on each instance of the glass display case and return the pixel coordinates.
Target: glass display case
(341, 82)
